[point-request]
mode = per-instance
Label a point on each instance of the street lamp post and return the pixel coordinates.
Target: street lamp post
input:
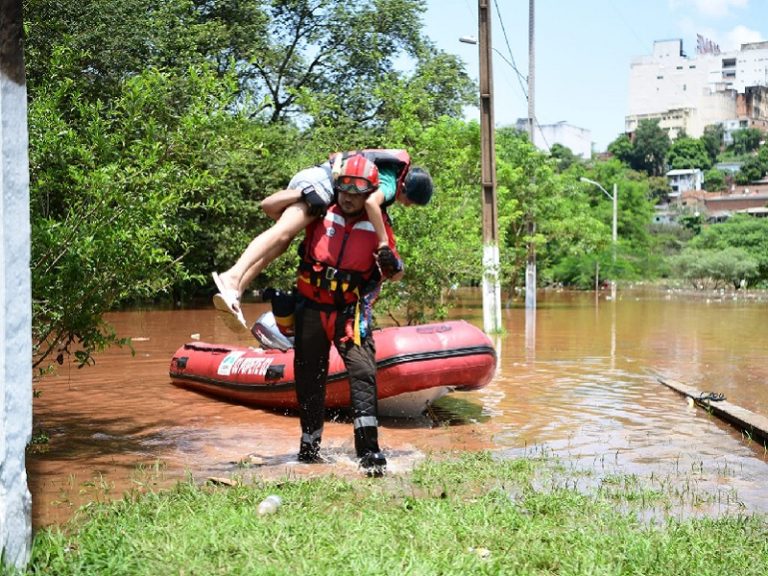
(615, 198)
(472, 40)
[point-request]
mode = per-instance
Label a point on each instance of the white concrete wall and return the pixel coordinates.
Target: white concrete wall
(752, 66)
(15, 292)
(579, 140)
(714, 109)
(667, 81)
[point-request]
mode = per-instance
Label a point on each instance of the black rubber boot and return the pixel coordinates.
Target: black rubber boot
(309, 454)
(374, 464)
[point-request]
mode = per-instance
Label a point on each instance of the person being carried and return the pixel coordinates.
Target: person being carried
(308, 195)
(339, 276)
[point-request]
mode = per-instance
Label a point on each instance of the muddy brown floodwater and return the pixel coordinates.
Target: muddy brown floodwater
(577, 379)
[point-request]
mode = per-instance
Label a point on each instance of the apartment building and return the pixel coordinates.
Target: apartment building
(689, 93)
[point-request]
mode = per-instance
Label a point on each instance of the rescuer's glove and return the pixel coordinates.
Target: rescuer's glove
(317, 203)
(389, 264)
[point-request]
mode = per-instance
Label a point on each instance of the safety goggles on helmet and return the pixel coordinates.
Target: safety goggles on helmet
(354, 185)
(357, 175)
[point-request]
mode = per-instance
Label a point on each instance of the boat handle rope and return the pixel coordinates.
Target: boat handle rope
(711, 397)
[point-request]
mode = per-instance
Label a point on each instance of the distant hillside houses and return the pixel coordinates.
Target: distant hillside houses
(683, 180)
(729, 167)
(686, 94)
(716, 207)
(688, 197)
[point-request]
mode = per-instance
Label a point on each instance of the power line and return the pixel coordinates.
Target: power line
(511, 61)
(520, 77)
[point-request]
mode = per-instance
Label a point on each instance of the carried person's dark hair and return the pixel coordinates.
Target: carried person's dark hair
(418, 186)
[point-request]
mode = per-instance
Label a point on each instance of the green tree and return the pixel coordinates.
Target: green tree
(528, 190)
(713, 140)
(688, 153)
(138, 198)
(285, 54)
(564, 156)
(659, 188)
(151, 128)
(762, 154)
(638, 255)
(106, 189)
(692, 222)
(441, 244)
(752, 169)
(714, 180)
(635, 204)
(746, 140)
(622, 149)
(650, 148)
(336, 48)
(111, 40)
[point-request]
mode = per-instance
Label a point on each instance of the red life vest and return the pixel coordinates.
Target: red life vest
(395, 158)
(337, 257)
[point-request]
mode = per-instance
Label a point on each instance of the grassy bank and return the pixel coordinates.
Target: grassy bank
(457, 514)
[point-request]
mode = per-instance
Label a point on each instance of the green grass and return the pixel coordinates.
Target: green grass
(454, 514)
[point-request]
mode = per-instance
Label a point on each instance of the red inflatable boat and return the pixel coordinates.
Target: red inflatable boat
(416, 365)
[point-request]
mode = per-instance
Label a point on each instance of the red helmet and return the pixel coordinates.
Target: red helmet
(358, 175)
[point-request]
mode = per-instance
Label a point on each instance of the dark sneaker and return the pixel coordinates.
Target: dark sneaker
(374, 464)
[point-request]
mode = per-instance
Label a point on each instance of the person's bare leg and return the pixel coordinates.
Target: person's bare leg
(266, 247)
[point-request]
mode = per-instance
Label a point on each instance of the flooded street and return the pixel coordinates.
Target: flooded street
(578, 379)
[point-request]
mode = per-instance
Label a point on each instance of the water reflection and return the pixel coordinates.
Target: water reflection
(592, 395)
(576, 377)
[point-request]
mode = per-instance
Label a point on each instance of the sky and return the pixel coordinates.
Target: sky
(583, 50)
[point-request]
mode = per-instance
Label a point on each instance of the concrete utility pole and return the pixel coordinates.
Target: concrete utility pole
(530, 267)
(491, 287)
(15, 293)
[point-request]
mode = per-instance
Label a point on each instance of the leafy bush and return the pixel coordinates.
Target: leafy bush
(716, 268)
(739, 231)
